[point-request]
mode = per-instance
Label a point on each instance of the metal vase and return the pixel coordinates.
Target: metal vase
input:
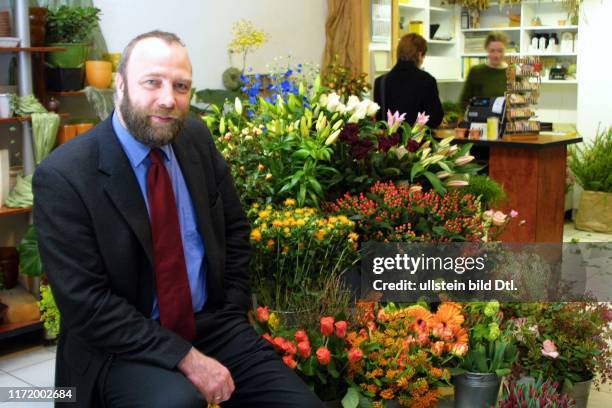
(476, 390)
(580, 393)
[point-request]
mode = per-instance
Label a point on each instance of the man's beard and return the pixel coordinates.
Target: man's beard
(138, 122)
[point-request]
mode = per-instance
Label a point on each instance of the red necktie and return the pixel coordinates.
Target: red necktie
(173, 292)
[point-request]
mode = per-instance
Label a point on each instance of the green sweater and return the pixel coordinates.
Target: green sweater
(483, 80)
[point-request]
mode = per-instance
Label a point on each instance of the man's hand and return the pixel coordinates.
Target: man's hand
(209, 376)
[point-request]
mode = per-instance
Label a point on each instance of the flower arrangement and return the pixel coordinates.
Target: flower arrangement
(389, 212)
(403, 353)
(342, 81)
(320, 356)
(565, 342)
(246, 38)
(543, 394)
(394, 150)
(298, 254)
(492, 346)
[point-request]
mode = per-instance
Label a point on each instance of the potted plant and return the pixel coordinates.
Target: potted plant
(30, 264)
(539, 393)
(591, 164)
(568, 343)
(490, 357)
(69, 28)
(401, 356)
(320, 357)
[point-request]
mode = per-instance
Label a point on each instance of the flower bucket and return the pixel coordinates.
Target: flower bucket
(579, 392)
(595, 212)
(476, 390)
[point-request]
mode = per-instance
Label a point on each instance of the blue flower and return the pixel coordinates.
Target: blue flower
(250, 113)
(288, 73)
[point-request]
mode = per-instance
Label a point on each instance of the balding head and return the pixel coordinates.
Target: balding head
(153, 87)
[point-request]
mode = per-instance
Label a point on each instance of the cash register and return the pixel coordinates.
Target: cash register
(481, 108)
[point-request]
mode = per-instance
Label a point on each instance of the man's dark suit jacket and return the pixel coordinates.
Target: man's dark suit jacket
(96, 248)
(409, 90)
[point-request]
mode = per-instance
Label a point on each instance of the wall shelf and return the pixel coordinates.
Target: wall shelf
(17, 119)
(5, 211)
(485, 30)
(551, 28)
(31, 49)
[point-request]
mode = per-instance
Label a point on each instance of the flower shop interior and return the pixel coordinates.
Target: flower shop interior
(323, 164)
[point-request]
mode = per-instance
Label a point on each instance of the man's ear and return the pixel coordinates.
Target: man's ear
(119, 85)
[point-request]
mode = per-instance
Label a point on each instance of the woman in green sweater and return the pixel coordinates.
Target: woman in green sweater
(488, 79)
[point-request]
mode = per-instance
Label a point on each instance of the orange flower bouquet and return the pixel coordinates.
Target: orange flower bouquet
(403, 353)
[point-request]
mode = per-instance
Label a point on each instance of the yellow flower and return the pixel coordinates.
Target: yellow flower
(286, 231)
(277, 223)
(264, 214)
(255, 205)
(300, 222)
(273, 321)
(353, 236)
(271, 243)
(290, 202)
(343, 219)
(332, 220)
(320, 235)
(285, 249)
(256, 235)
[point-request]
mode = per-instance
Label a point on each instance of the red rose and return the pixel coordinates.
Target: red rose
(289, 348)
(341, 327)
(304, 349)
(327, 326)
(290, 361)
(279, 342)
(263, 314)
(268, 337)
(301, 336)
(355, 354)
(323, 355)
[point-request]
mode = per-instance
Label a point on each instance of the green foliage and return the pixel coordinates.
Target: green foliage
(491, 193)
(50, 314)
(72, 24)
(592, 162)
(492, 347)
(29, 257)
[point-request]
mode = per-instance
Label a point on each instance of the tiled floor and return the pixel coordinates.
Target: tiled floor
(32, 364)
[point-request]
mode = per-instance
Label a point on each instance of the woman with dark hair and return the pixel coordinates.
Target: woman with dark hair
(407, 88)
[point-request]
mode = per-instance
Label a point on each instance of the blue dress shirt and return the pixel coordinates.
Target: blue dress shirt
(193, 245)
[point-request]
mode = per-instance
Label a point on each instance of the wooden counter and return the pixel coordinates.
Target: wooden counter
(532, 172)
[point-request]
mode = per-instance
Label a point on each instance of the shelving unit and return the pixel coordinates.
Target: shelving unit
(447, 58)
(19, 119)
(30, 49)
(5, 211)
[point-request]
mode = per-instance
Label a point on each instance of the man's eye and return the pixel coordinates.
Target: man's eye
(182, 87)
(150, 82)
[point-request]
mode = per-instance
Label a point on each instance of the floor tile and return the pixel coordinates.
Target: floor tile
(39, 375)
(24, 358)
(7, 380)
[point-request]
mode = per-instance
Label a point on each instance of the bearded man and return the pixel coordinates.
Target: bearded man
(146, 248)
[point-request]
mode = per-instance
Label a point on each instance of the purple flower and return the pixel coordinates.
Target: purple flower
(413, 146)
(350, 134)
(395, 118)
(361, 149)
(387, 142)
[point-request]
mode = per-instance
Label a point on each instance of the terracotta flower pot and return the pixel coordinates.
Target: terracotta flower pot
(99, 74)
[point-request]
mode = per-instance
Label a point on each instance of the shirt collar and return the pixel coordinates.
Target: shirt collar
(136, 151)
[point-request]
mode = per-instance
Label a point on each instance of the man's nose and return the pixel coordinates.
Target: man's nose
(165, 97)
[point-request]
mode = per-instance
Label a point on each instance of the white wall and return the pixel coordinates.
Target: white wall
(295, 27)
(594, 67)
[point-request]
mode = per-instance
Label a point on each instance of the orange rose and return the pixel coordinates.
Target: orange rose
(279, 342)
(341, 327)
(327, 326)
(323, 356)
(263, 314)
(355, 354)
(289, 348)
(304, 349)
(289, 360)
(301, 336)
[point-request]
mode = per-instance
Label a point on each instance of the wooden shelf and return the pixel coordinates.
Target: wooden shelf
(5, 211)
(76, 93)
(14, 329)
(16, 119)
(553, 28)
(31, 49)
(484, 30)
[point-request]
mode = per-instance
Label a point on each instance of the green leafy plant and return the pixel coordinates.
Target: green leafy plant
(492, 347)
(452, 114)
(338, 78)
(29, 257)
(72, 24)
(49, 313)
(592, 162)
(491, 193)
(566, 342)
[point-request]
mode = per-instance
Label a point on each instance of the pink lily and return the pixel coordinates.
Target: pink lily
(513, 213)
(420, 123)
(394, 120)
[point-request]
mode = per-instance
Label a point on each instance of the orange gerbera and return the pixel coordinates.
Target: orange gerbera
(448, 315)
(422, 317)
(461, 335)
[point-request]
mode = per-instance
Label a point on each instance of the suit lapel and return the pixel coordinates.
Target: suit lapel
(123, 189)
